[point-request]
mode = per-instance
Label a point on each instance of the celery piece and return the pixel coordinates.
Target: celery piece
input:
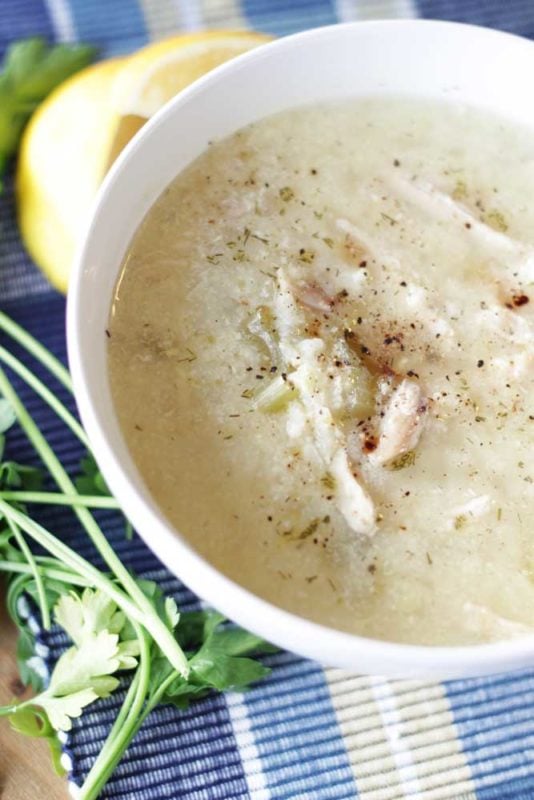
(275, 396)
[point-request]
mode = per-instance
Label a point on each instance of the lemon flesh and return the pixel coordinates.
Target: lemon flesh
(79, 130)
(62, 160)
(157, 73)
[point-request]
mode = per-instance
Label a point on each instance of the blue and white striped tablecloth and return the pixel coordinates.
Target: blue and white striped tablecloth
(306, 732)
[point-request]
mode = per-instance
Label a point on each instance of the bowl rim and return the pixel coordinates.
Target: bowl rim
(274, 623)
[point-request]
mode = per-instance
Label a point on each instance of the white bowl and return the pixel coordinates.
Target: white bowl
(430, 59)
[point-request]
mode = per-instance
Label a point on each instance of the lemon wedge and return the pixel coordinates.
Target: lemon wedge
(62, 160)
(78, 131)
(157, 72)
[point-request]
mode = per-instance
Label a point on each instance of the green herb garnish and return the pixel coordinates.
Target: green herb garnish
(309, 530)
(328, 481)
(91, 480)
(402, 461)
(460, 190)
(306, 256)
(31, 70)
(496, 220)
(118, 623)
(459, 522)
(286, 194)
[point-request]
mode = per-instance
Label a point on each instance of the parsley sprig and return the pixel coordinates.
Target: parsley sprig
(119, 624)
(31, 70)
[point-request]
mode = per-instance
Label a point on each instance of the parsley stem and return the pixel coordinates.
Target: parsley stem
(156, 627)
(36, 572)
(37, 350)
(120, 735)
(71, 559)
(60, 574)
(125, 708)
(5, 711)
(155, 698)
(151, 704)
(45, 394)
(59, 499)
(130, 723)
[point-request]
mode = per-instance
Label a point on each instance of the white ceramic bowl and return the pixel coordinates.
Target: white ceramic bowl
(431, 59)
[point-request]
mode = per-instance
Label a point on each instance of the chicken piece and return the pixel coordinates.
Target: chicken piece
(474, 507)
(364, 245)
(310, 378)
(352, 500)
(313, 297)
(402, 423)
(425, 196)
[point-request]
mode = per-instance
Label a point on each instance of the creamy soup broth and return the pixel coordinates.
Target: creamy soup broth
(321, 355)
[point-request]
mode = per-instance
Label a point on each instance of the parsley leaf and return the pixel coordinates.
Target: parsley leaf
(84, 666)
(35, 723)
(91, 480)
(86, 670)
(221, 661)
(62, 710)
(218, 659)
(7, 415)
(30, 674)
(17, 476)
(91, 613)
(31, 70)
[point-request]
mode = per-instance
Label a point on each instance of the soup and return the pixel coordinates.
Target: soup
(321, 356)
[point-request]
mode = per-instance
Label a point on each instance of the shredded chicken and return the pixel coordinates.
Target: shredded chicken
(313, 297)
(402, 423)
(306, 357)
(400, 426)
(475, 507)
(365, 245)
(442, 206)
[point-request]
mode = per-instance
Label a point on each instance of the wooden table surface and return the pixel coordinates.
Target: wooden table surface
(26, 771)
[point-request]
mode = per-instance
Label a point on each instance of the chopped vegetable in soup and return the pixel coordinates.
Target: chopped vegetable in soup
(322, 357)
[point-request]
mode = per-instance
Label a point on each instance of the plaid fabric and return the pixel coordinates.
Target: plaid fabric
(307, 732)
